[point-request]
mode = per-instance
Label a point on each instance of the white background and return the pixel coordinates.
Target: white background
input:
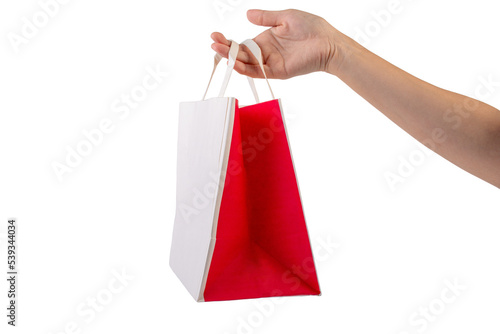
(115, 211)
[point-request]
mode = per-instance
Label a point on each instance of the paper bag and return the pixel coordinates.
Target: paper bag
(239, 228)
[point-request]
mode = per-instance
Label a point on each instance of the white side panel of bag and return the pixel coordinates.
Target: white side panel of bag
(205, 130)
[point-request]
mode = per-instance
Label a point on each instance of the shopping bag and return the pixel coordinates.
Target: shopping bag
(239, 229)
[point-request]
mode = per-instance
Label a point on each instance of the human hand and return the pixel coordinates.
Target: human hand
(297, 43)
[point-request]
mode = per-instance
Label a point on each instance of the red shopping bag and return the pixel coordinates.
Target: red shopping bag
(239, 229)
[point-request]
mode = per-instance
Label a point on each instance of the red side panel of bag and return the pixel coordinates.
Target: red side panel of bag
(262, 247)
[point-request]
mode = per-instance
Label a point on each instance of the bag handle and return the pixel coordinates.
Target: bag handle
(233, 53)
(257, 53)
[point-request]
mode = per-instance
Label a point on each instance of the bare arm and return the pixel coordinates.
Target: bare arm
(462, 130)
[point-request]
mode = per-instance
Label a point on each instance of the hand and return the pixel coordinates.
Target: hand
(297, 43)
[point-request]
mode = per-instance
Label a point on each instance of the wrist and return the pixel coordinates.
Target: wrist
(342, 49)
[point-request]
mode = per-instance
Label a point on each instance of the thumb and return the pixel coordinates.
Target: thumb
(265, 18)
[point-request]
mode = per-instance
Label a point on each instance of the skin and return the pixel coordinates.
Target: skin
(463, 130)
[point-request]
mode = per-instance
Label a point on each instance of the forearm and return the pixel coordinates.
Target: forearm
(462, 130)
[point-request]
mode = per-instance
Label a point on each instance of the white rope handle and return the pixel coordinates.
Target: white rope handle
(233, 53)
(217, 59)
(257, 53)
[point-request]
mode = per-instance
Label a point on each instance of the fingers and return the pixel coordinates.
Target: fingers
(245, 69)
(251, 70)
(221, 45)
(246, 63)
(244, 54)
(221, 49)
(265, 18)
(220, 38)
